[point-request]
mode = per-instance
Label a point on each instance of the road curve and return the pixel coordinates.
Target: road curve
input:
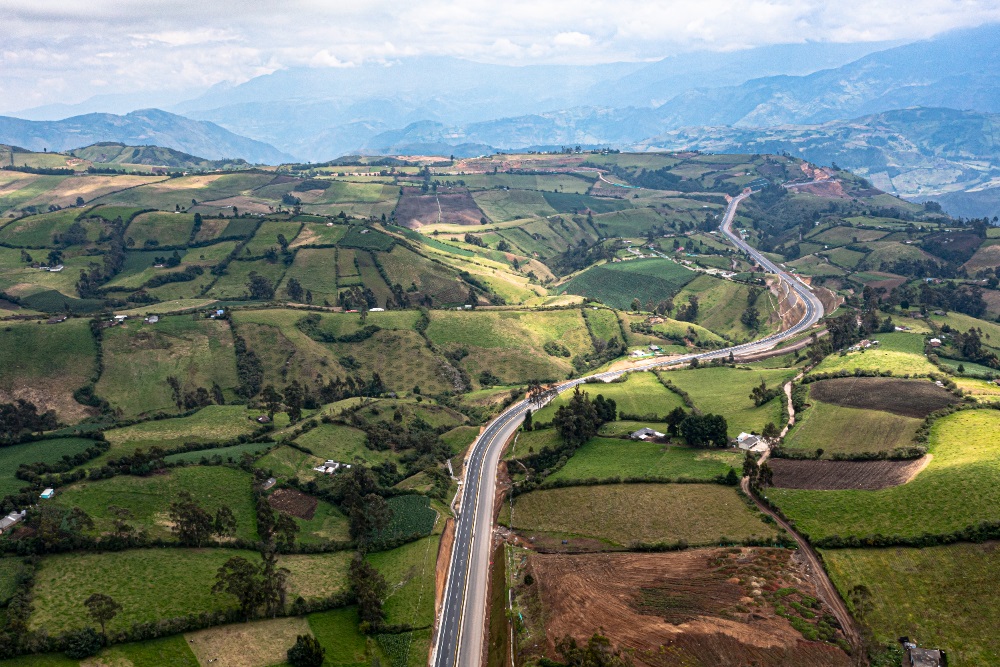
(461, 624)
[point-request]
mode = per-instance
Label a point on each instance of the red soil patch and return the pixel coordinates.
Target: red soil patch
(839, 475)
(697, 607)
(455, 207)
(293, 502)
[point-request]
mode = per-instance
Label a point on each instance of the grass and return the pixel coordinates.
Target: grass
(981, 390)
(959, 487)
(721, 303)
(287, 462)
(604, 458)
(641, 394)
(254, 644)
(366, 238)
(341, 443)
(503, 206)
(233, 454)
(617, 284)
(316, 271)
(603, 323)
(160, 229)
(233, 285)
(409, 571)
(726, 391)
(39, 230)
(945, 596)
(139, 357)
(215, 423)
(328, 523)
(46, 363)
(837, 429)
(153, 584)
(149, 498)
(902, 353)
(337, 631)
(621, 514)
(42, 451)
(267, 236)
(10, 568)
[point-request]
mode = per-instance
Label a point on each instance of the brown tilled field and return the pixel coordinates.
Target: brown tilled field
(451, 207)
(697, 607)
(837, 475)
(293, 502)
(910, 398)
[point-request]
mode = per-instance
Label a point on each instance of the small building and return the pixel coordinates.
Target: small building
(263, 419)
(654, 348)
(922, 657)
(120, 318)
(934, 342)
(376, 310)
(646, 434)
(749, 443)
(9, 521)
(56, 269)
(152, 319)
(271, 481)
(47, 493)
(56, 319)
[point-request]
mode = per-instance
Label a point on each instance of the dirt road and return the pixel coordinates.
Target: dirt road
(824, 586)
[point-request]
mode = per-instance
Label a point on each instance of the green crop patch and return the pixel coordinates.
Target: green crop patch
(140, 359)
(412, 271)
(316, 271)
(901, 353)
(726, 392)
(409, 571)
(160, 229)
(945, 597)
(621, 514)
(506, 205)
(567, 202)
(46, 363)
(155, 584)
(267, 236)
(641, 394)
(232, 454)
(617, 284)
(42, 451)
(215, 423)
(958, 488)
(149, 498)
(234, 284)
(412, 516)
(337, 631)
(606, 458)
(843, 430)
(366, 238)
(38, 231)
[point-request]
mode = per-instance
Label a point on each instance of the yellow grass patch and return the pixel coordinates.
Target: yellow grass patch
(256, 644)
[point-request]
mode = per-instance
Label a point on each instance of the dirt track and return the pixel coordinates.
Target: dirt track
(824, 587)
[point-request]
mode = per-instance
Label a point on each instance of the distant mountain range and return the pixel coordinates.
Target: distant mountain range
(144, 127)
(924, 122)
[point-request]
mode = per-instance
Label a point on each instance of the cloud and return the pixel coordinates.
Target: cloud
(187, 44)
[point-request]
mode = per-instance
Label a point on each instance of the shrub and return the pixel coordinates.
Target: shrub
(307, 652)
(83, 644)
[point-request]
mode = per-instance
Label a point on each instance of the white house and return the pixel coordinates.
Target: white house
(10, 521)
(646, 434)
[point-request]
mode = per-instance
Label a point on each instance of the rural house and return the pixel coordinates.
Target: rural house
(922, 657)
(56, 319)
(47, 493)
(646, 434)
(10, 521)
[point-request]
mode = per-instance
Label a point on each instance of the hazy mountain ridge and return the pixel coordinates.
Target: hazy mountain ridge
(144, 127)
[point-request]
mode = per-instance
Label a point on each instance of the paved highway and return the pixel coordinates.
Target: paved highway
(461, 625)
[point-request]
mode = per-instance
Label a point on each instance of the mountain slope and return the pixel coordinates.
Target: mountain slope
(145, 127)
(107, 152)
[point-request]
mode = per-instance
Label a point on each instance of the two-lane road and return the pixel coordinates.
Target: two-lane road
(461, 625)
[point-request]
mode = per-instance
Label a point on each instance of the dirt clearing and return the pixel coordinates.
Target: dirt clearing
(450, 207)
(704, 607)
(293, 502)
(839, 475)
(909, 398)
(255, 644)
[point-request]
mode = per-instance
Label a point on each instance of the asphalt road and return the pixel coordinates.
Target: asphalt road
(461, 625)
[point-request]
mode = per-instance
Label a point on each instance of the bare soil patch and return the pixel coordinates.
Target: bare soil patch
(889, 281)
(455, 207)
(839, 475)
(293, 502)
(830, 299)
(704, 607)
(909, 398)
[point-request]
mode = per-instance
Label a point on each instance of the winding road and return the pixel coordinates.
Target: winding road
(461, 626)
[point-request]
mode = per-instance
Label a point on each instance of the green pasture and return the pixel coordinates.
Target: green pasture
(604, 458)
(901, 352)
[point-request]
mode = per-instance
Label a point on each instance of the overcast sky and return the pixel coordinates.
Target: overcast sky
(68, 50)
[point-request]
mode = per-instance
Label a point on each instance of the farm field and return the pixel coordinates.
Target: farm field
(46, 363)
(684, 606)
(835, 475)
(839, 430)
(42, 451)
(726, 391)
(409, 571)
(604, 458)
(981, 390)
(616, 285)
(253, 644)
(232, 454)
(945, 596)
(153, 584)
(215, 423)
(641, 394)
(621, 514)
(139, 358)
(318, 520)
(959, 487)
(149, 498)
(316, 271)
(150, 230)
(908, 398)
(722, 302)
(902, 353)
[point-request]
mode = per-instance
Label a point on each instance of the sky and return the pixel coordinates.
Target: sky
(68, 50)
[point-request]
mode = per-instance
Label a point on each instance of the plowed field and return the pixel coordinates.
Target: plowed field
(837, 475)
